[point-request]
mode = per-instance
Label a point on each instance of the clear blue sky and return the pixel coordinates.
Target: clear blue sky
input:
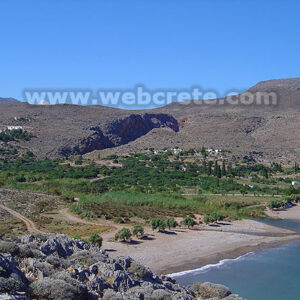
(219, 44)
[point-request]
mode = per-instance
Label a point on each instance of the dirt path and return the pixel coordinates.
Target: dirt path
(70, 217)
(31, 227)
(107, 235)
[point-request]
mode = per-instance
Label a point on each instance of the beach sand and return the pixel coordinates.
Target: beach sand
(292, 213)
(184, 249)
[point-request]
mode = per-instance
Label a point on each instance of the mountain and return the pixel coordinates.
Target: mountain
(8, 100)
(264, 132)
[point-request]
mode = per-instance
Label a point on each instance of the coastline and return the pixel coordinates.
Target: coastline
(235, 254)
(188, 250)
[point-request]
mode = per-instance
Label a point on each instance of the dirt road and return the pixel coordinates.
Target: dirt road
(31, 227)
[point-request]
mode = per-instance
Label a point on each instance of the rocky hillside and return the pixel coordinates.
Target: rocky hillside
(264, 132)
(56, 267)
(8, 100)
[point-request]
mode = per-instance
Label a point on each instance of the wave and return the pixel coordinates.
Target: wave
(210, 266)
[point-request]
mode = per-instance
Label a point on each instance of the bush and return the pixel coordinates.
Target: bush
(213, 217)
(96, 239)
(189, 222)
(53, 289)
(171, 223)
(9, 247)
(138, 231)
(139, 271)
(276, 204)
(123, 235)
(119, 220)
(216, 216)
(207, 219)
(159, 224)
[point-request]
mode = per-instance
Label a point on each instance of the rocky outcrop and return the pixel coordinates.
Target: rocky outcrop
(54, 266)
(120, 132)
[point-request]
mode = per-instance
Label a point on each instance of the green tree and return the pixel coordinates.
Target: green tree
(96, 239)
(229, 168)
(171, 223)
(203, 152)
(219, 172)
(216, 168)
(216, 216)
(207, 219)
(159, 224)
(138, 231)
(223, 168)
(189, 222)
(123, 235)
(78, 160)
(209, 168)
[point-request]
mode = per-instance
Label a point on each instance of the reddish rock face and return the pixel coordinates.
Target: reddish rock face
(121, 131)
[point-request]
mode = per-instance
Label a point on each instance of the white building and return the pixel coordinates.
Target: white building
(14, 128)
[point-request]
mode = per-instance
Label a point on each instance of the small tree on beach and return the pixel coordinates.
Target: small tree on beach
(171, 223)
(207, 219)
(159, 224)
(138, 231)
(189, 222)
(96, 239)
(216, 216)
(123, 235)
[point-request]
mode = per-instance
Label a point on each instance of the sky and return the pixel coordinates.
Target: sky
(170, 44)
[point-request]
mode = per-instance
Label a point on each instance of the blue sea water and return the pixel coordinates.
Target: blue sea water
(272, 274)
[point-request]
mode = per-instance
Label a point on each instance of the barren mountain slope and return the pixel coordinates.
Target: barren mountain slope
(265, 131)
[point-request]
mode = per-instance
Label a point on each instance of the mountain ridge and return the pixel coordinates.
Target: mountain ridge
(270, 130)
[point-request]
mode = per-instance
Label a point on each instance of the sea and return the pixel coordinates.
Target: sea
(272, 274)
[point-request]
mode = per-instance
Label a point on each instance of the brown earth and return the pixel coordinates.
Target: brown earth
(264, 132)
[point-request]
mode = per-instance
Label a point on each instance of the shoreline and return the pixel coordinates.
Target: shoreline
(188, 250)
(292, 213)
(232, 255)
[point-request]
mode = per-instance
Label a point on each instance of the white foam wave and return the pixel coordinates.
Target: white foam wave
(210, 266)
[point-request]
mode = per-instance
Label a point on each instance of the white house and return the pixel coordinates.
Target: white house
(295, 182)
(14, 128)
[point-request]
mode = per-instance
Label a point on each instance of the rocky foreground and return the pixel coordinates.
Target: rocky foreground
(54, 266)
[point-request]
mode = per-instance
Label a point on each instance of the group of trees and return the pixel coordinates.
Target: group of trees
(13, 135)
(125, 234)
(161, 225)
(213, 217)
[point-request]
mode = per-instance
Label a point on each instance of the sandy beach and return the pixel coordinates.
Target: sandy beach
(292, 213)
(184, 249)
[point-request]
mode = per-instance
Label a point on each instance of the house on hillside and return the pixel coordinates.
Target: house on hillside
(10, 128)
(295, 183)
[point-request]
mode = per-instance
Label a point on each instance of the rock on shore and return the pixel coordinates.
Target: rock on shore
(54, 266)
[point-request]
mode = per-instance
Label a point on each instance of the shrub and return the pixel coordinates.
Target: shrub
(119, 220)
(139, 271)
(213, 217)
(123, 235)
(275, 204)
(189, 222)
(55, 191)
(96, 239)
(207, 219)
(53, 289)
(216, 216)
(9, 247)
(171, 223)
(159, 224)
(138, 231)
(20, 178)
